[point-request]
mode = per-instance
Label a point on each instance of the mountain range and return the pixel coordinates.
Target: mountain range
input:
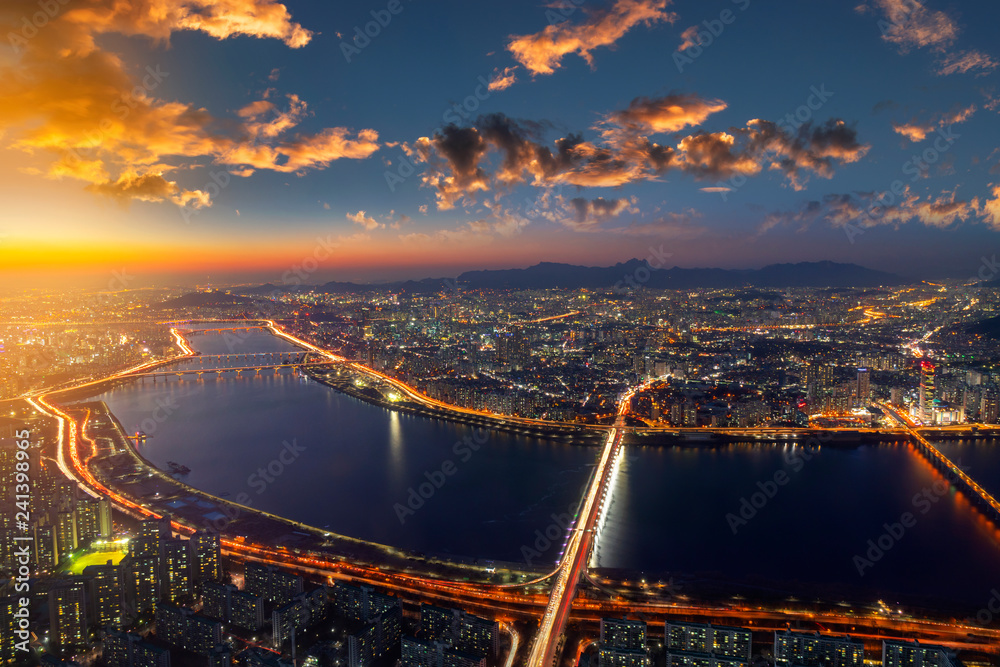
(633, 273)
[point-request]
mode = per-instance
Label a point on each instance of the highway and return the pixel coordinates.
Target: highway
(506, 602)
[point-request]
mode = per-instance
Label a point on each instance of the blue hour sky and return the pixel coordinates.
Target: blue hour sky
(476, 135)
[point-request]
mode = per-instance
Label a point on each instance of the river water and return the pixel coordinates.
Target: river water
(305, 451)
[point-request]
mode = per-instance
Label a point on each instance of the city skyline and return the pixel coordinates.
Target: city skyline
(542, 333)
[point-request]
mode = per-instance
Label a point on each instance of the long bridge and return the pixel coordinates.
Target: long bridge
(577, 553)
(563, 603)
(979, 496)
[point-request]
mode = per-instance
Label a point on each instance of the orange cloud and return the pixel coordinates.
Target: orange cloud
(542, 53)
(916, 131)
(909, 24)
(965, 62)
(150, 187)
(990, 208)
(503, 80)
(365, 221)
(867, 210)
(458, 166)
(67, 98)
(689, 38)
(671, 113)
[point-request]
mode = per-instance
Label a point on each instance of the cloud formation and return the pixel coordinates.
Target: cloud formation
(542, 52)
(497, 152)
(909, 24)
(671, 113)
(917, 131)
(94, 118)
(864, 210)
(365, 221)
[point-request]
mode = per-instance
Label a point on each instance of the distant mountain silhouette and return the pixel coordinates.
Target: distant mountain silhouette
(636, 272)
(204, 299)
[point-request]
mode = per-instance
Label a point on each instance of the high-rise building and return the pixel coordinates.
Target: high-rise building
(465, 632)
(927, 395)
(623, 633)
(68, 623)
(273, 584)
(93, 520)
(623, 643)
(142, 583)
(621, 657)
(513, 348)
(125, 649)
(216, 599)
(46, 548)
(429, 653)
(990, 410)
(183, 628)
(863, 393)
(206, 557)
(176, 570)
(106, 593)
(246, 610)
(302, 611)
(66, 536)
(719, 640)
(915, 654)
(360, 603)
(220, 656)
(379, 636)
(800, 649)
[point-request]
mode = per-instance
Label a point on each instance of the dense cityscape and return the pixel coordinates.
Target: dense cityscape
(539, 333)
(110, 581)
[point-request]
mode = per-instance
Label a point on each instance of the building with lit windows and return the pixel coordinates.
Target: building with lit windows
(125, 649)
(623, 633)
(68, 622)
(175, 566)
(379, 636)
(926, 390)
(106, 593)
(360, 603)
(65, 534)
(271, 583)
(465, 632)
(93, 520)
(428, 653)
(206, 557)
(185, 629)
(915, 654)
(720, 642)
(800, 649)
(142, 583)
(46, 547)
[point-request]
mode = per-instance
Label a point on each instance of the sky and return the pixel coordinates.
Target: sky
(206, 141)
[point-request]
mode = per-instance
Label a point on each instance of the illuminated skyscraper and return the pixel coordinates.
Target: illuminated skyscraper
(864, 392)
(142, 583)
(206, 557)
(176, 570)
(66, 536)
(106, 593)
(45, 547)
(926, 391)
(68, 615)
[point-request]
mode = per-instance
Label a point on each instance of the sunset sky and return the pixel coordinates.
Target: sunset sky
(231, 140)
